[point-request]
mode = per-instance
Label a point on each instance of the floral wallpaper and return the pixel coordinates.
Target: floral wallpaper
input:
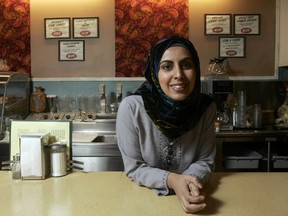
(141, 23)
(15, 36)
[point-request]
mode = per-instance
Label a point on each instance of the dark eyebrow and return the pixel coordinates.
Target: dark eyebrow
(166, 61)
(188, 58)
(170, 61)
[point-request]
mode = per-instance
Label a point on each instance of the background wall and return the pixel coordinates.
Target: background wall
(100, 53)
(260, 49)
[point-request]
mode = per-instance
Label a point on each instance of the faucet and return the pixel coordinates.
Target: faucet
(119, 93)
(102, 98)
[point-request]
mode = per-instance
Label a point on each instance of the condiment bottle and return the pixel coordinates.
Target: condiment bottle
(217, 126)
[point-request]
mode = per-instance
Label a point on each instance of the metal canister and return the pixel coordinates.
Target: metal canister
(58, 159)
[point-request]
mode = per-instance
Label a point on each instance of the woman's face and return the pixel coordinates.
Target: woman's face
(177, 74)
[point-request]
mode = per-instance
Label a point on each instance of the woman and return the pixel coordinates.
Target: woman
(165, 130)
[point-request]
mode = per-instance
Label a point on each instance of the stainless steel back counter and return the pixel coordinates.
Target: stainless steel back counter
(268, 144)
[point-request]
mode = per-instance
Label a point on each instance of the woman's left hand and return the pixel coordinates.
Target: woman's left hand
(188, 192)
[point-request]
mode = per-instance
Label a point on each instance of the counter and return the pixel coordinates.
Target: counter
(112, 193)
(269, 141)
(260, 133)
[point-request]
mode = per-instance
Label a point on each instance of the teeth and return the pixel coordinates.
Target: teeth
(178, 86)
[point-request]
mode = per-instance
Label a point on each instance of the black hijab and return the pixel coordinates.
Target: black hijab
(173, 118)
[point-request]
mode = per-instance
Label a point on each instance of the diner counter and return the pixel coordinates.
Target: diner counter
(112, 193)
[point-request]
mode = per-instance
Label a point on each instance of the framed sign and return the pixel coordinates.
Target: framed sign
(87, 27)
(218, 24)
(71, 50)
(247, 24)
(232, 47)
(55, 28)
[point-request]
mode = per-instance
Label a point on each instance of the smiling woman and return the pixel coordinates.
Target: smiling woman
(165, 131)
(176, 73)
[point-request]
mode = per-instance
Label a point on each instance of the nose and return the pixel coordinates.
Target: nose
(178, 73)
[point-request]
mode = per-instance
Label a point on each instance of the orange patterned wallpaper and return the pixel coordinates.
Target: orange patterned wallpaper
(139, 24)
(15, 35)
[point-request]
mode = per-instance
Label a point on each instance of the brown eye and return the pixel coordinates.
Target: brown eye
(187, 64)
(167, 66)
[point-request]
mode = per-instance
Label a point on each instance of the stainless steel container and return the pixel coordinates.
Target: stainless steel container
(34, 154)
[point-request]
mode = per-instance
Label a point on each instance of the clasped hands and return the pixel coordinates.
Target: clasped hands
(188, 191)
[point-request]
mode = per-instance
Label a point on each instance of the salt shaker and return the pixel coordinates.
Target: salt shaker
(58, 159)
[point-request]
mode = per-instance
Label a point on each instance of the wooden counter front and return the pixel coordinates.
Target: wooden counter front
(112, 193)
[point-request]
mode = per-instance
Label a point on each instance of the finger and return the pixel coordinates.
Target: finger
(187, 199)
(192, 208)
(195, 199)
(194, 189)
(195, 181)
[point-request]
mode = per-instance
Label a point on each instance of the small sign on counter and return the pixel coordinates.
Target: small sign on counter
(59, 130)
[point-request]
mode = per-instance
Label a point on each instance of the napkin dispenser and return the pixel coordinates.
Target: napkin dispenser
(34, 156)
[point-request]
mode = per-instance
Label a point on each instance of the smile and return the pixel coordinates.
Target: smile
(178, 87)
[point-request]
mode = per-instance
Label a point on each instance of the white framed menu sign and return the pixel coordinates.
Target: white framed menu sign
(86, 27)
(218, 24)
(71, 50)
(55, 28)
(232, 47)
(247, 24)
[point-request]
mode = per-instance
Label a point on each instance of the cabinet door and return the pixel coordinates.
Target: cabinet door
(279, 156)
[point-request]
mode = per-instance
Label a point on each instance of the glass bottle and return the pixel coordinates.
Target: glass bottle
(257, 116)
(217, 126)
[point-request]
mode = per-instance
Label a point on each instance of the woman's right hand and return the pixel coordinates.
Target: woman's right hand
(188, 191)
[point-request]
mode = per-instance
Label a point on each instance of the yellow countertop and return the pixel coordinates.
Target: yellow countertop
(112, 193)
